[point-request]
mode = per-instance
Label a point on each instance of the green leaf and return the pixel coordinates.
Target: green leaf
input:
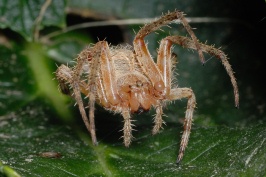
(17, 85)
(221, 151)
(20, 15)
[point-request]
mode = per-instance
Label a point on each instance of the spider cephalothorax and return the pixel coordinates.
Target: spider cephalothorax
(127, 80)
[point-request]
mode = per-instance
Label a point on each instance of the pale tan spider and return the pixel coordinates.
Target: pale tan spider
(127, 81)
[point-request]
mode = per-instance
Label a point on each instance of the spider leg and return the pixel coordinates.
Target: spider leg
(79, 86)
(66, 78)
(127, 129)
(158, 121)
(142, 53)
(101, 53)
(188, 43)
(179, 93)
(164, 63)
(101, 61)
(107, 81)
(111, 91)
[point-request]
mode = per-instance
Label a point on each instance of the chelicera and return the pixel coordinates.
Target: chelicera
(126, 79)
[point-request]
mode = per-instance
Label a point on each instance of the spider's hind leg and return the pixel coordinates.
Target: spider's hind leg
(88, 88)
(89, 124)
(188, 43)
(179, 93)
(69, 81)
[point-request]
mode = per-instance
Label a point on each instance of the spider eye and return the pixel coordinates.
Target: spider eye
(159, 86)
(139, 83)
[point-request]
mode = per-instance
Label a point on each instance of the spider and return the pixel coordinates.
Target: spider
(126, 80)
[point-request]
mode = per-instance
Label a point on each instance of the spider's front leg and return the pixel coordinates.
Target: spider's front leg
(107, 87)
(164, 63)
(160, 74)
(140, 47)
